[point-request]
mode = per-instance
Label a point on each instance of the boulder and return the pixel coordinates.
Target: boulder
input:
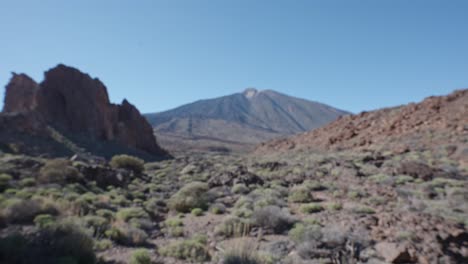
(394, 253)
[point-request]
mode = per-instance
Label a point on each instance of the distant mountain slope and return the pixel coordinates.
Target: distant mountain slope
(437, 122)
(237, 121)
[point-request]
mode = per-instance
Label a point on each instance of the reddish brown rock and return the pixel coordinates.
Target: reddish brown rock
(20, 94)
(73, 102)
(425, 125)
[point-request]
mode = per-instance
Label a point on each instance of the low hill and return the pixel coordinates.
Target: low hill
(433, 123)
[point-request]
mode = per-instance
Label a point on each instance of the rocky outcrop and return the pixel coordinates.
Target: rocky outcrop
(20, 95)
(73, 102)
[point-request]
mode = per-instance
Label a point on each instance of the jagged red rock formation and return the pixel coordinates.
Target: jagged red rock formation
(434, 121)
(72, 101)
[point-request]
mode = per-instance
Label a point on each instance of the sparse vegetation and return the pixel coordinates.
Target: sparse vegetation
(273, 218)
(128, 162)
(193, 249)
(301, 194)
(58, 171)
(140, 256)
(191, 196)
(311, 208)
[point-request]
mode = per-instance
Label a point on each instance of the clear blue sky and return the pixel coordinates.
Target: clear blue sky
(356, 55)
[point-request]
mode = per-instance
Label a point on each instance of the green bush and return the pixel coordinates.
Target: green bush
(55, 244)
(192, 195)
(335, 206)
(311, 208)
(19, 211)
(44, 220)
(127, 235)
(273, 218)
(241, 253)
(233, 226)
(300, 194)
(97, 224)
(5, 181)
(126, 214)
(174, 227)
(193, 249)
(305, 232)
(28, 182)
(218, 208)
(314, 185)
(240, 189)
(197, 212)
(59, 171)
(140, 256)
(363, 210)
(103, 244)
(128, 162)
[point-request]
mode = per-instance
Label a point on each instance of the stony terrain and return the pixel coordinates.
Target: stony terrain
(237, 122)
(344, 207)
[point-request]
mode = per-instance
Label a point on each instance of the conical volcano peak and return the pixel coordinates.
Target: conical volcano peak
(250, 92)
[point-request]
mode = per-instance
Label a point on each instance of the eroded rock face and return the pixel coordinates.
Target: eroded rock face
(20, 94)
(72, 101)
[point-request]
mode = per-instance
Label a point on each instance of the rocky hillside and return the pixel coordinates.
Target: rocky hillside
(432, 123)
(238, 121)
(70, 112)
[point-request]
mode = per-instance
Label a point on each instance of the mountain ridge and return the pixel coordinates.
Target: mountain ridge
(248, 117)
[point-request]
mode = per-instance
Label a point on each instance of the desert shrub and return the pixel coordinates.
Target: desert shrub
(242, 253)
(300, 194)
(19, 211)
(243, 212)
(240, 189)
(314, 185)
(59, 171)
(311, 208)
(127, 235)
(27, 182)
(154, 206)
(103, 244)
(192, 195)
(140, 256)
(97, 224)
(233, 226)
(174, 227)
(5, 181)
(304, 232)
(197, 212)
(335, 206)
(54, 244)
(193, 249)
(44, 220)
(126, 214)
(381, 178)
(273, 218)
(218, 208)
(403, 179)
(267, 197)
(128, 162)
(363, 210)
(106, 213)
(244, 202)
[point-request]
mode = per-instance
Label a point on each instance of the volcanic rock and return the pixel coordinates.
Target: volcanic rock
(72, 102)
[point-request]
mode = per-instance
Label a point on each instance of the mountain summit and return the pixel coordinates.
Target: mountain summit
(238, 121)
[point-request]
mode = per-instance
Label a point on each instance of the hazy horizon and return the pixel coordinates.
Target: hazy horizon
(163, 54)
